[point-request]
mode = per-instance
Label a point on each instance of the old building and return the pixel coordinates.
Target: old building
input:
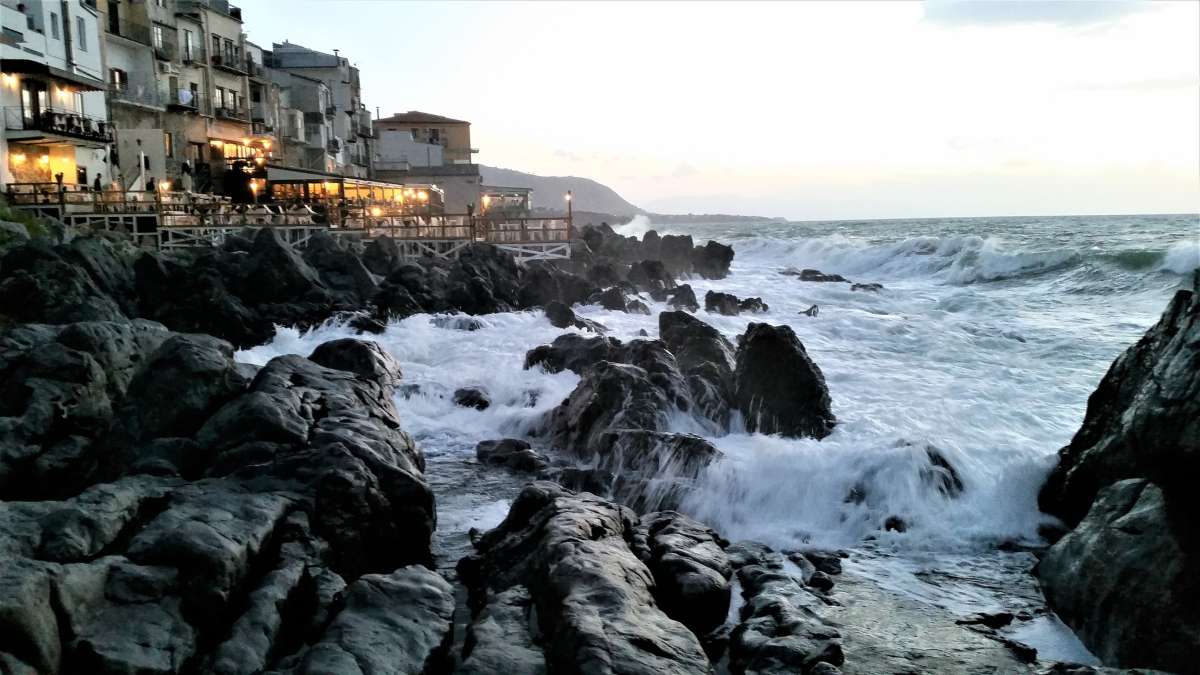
(52, 92)
(419, 147)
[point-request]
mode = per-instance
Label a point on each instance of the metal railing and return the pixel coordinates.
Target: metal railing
(61, 122)
(131, 92)
(232, 113)
(130, 30)
(169, 47)
(185, 98)
(195, 54)
(230, 63)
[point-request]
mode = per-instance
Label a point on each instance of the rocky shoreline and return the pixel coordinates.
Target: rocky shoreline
(167, 509)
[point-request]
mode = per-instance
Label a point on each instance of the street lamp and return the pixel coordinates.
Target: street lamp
(570, 209)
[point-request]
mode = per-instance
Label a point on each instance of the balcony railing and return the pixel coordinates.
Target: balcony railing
(232, 113)
(130, 30)
(226, 62)
(194, 54)
(254, 69)
(61, 122)
(184, 99)
(168, 49)
(129, 92)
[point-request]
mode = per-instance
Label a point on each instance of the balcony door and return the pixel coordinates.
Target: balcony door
(34, 102)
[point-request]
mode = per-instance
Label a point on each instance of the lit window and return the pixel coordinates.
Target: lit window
(168, 144)
(158, 37)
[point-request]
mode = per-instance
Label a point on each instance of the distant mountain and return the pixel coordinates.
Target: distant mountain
(548, 191)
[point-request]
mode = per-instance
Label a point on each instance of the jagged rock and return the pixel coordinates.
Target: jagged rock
(690, 569)
(683, 298)
(381, 256)
(603, 274)
(780, 631)
(829, 563)
(512, 453)
(453, 322)
(561, 316)
(755, 305)
(650, 275)
(635, 306)
(1143, 420)
(395, 623)
(573, 352)
(340, 269)
(612, 299)
(871, 288)
(543, 284)
(675, 251)
(499, 640)
(705, 359)
(712, 260)
(721, 303)
(1121, 579)
(40, 284)
(595, 601)
(778, 388)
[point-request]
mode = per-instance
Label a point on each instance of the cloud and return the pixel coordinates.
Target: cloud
(1000, 12)
(568, 155)
(683, 171)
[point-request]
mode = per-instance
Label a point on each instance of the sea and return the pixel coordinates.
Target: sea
(985, 342)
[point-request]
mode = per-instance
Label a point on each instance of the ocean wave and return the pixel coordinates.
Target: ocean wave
(957, 259)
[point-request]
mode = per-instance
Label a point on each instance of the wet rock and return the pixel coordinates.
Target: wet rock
(829, 563)
(993, 620)
(870, 288)
(511, 453)
(573, 352)
(635, 306)
(452, 322)
(543, 284)
(595, 601)
(712, 260)
(612, 299)
(820, 581)
(721, 303)
(1120, 579)
(690, 569)
(610, 396)
(684, 298)
(706, 360)
(604, 274)
(940, 475)
(823, 668)
(1142, 421)
(675, 251)
(650, 275)
(499, 640)
(895, 524)
(381, 256)
(340, 268)
(561, 316)
(472, 397)
(41, 284)
(778, 388)
(366, 324)
(394, 623)
(363, 358)
(815, 275)
(755, 305)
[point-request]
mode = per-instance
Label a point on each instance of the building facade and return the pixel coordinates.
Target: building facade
(52, 92)
(419, 147)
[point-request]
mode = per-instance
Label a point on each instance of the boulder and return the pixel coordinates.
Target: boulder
(362, 357)
(712, 260)
(752, 305)
(596, 608)
(690, 569)
(381, 256)
(706, 360)
(472, 397)
(650, 275)
(1121, 579)
(573, 352)
(683, 298)
(499, 638)
(511, 453)
(612, 299)
(777, 387)
(815, 275)
(721, 303)
(870, 288)
(39, 284)
(561, 316)
(676, 253)
(543, 284)
(340, 269)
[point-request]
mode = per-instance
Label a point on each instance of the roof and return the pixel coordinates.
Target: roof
(418, 117)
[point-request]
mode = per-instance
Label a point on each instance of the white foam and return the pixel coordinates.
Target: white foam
(1183, 257)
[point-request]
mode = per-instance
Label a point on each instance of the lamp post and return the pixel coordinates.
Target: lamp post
(570, 214)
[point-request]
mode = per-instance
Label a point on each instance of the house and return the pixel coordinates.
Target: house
(419, 147)
(52, 92)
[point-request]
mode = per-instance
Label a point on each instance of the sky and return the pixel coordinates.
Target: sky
(806, 110)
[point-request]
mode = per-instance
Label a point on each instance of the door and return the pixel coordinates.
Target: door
(34, 102)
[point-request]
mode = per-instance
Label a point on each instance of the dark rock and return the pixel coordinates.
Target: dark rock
(690, 569)
(395, 623)
(543, 284)
(604, 274)
(755, 305)
(820, 581)
(650, 275)
(676, 253)
(872, 288)
(511, 453)
(712, 260)
(993, 620)
(778, 388)
(340, 269)
(829, 563)
(635, 306)
(1120, 579)
(815, 275)
(1143, 420)
(721, 303)
(573, 352)
(454, 322)
(41, 285)
(596, 609)
(705, 359)
(561, 316)
(499, 639)
(361, 357)
(683, 298)
(367, 324)
(895, 524)
(472, 397)
(612, 299)
(381, 256)
(813, 311)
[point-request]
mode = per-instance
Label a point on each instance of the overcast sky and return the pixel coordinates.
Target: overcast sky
(806, 110)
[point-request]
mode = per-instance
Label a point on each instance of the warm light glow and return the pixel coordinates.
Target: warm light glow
(423, 195)
(260, 160)
(44, 159)
(164, 186)
(266, 145)
(18, 158)
(253, 186)
(216, 143)
(10, 80)
(376, 211)
(568, 196)
(332, 187)
(487, 201)
(399, 198)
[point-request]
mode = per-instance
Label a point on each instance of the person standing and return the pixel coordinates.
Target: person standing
(186, 177)
(96, 184)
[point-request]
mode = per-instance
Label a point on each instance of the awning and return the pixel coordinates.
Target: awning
(29, 67)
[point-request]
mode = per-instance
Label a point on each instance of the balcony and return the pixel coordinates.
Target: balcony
(184, 99)
(138, 94)
(229, 63)
(334, 145)
(59, 122)
(330, 111)
(232, 113)
(254, 69)
(167, 50)
(195, 54)
(130, 30)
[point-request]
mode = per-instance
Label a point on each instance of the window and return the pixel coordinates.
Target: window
(229, 56)
(187, 45)
(219, 99)
(79, 102)
(216, 52)
(158, 37)
(118, 78)
(81, 33)
(161, 3)
(54, 25)
(168, 144)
